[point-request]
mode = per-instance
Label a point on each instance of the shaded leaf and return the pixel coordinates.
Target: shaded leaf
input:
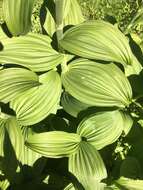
(55, 144)
(97, 84)
(87, 165)
(98, 40)
(71, 105)
(38, 102)
(33, 51)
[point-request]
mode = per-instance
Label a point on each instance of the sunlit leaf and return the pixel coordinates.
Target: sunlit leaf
(129, 184)
(33, 51)
(54, 144)
(14, 81)
(102, 129)
(38, 102)
(17, 15)
(87, 165)
(71, 105)
(97, 40)
(97, 84)
(4, 184)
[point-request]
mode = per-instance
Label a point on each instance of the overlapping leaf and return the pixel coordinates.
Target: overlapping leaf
(71, 105)
(87, 165)
(10, 137)
(38, 102)
(97, 40)
(33, 51)
(103, 128)
(72, 15)
(17, 15)
(54, 144)
(97, 84)
(15, 81)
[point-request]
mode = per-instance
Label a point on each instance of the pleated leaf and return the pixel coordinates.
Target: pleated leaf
(130, 184)
(10, 136)
(17, 15)
(71, 105)
(4, 184)
(128, 123)
(55, 144)
(103, 128)
(87, 165)
(29, 157)
(37, 103)
(14, 81)
(98, 40)
(33, 51)
(97, 84)
(72, 16)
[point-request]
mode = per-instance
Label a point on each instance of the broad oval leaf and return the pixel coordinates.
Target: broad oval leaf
(103, 128)
(17, 15)
(33, 51)
(55, 144)
(38, 102)
(87, 165)
(98, 40)
(14, 81)
(97, 84)
(10, 135)
(71, 105)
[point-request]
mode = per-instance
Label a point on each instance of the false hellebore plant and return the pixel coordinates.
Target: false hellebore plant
(85, 69)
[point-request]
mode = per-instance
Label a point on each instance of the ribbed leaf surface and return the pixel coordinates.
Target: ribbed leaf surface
(4, 184)
(97, 40)
(102, 129)
(37, 103)
(71, 105)
(29, 157)
(10, 136)
(87, 165)
(54, 144)
(128, 122)
(17, 15)
(130, 184)
(33, 51)
(15, 81)
(97, 84)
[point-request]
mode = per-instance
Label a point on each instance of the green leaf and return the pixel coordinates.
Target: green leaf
(33, 51)
(29, 157)
(97, 84)
(15, 81)
(10, 136)
(102, 129)
(72, 16)
(38, 102)
(17, 15)
(128, 123)
(71, 105)
(97, 40)
(129, 184)
(87, 165)
(4, 184)
(55, 144)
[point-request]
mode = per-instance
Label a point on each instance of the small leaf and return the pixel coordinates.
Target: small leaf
(102, 129)
(33, 51)
(71, 105)
(17, 15)
(55, 144)
(98, 40)
(87, 165)
(38, 102)
(97, 84)
(4, 184)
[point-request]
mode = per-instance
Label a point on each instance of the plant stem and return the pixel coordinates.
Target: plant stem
(59, 29)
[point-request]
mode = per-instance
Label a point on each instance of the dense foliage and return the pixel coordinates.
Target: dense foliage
(71, 96)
